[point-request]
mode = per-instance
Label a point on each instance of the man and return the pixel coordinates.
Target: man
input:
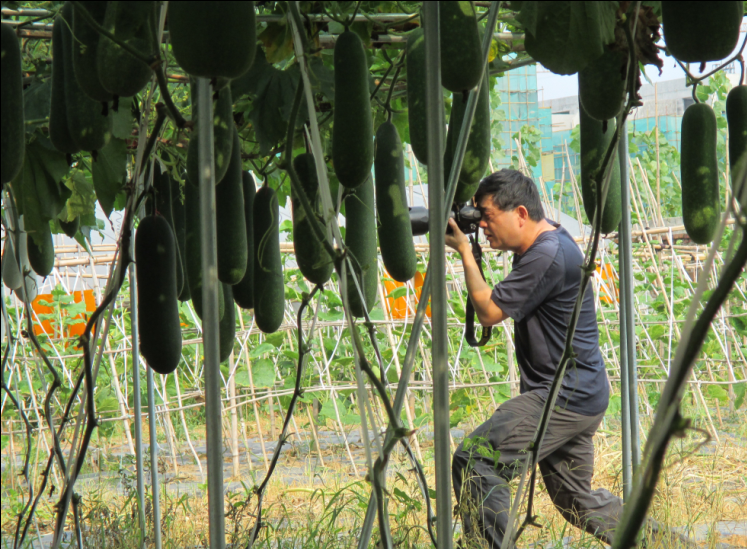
(539, 295)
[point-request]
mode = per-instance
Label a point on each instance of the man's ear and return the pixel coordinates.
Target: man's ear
(523, 214)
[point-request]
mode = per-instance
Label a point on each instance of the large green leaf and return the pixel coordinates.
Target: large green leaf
(277, 39)
(346, 416)
(109, 171)
(123, 120)
(36, 103)
(271, 108)
(253, 80)
(719, 393)
(322, 78)
(263, 373)
(33, 220)
(739, 392)
(82, 201)
(52, 161)
(566, 36)
(262, 349)
(49, 167)
(37, 189)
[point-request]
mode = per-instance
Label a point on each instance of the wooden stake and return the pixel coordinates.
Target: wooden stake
(316, 437)
(254, 396)
(234, 415)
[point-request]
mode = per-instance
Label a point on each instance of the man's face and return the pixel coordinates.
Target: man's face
(502, 228)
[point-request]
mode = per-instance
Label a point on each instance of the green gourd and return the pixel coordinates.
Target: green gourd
(269, 287)
(159, 326)
(243, 291)
(12, 128)
(312, 257)
(360, 240)
(227, 325)
(59, 129)
(162, 184)
(736, 116)
(461, 51)
(230, 220)
(477, 154)
(701, 204)
(40, 249)
(594, 145)
(696, 32)
(85, 50)
(10, 271)
(223, 135)
(416, 112)
(89, 127)
(601, 85)
(132, 22)
(213, 39)
(352, 132)
(395, 231)
(193, 244)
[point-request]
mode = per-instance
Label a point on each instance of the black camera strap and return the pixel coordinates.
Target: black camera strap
(469, 325)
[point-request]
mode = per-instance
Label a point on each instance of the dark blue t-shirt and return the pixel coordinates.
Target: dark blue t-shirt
(539, 294)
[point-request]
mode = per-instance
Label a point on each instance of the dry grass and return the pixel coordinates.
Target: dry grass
(701, 485)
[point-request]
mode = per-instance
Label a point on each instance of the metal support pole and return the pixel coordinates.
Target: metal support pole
(213, 426)
(154, 461)
(439, 343)
(626, 245)
(138, 405)
(627, 471)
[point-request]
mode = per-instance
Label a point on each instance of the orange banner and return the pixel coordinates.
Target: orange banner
(52, 326)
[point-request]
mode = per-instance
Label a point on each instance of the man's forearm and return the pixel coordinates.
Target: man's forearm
(479, 291)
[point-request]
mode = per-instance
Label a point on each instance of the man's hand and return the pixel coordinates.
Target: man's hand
(488, 313)
(457, 239)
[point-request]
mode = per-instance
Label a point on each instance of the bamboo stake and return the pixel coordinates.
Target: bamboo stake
(316, 437)
(460, 294)
(562, 189)
(656, 203)
(333, 397)
(254, 396)
(246, 446)
(35, 406)
(512, 374)
(643, 220)
(123, 408)
(12, 455)
(663, 289)
(387, 328)
(168, 427)
(576, 193)
(234, 417)
(658, 163)
(184, 425)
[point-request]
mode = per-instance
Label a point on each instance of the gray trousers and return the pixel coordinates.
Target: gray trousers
(481, 475)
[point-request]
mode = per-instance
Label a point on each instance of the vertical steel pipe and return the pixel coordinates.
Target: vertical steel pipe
(137, 404)
(627, 471)
(152, 427)
(437, 269)
(210, 335)
(626, 280)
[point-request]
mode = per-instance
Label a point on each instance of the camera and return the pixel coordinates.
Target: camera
(467, 218)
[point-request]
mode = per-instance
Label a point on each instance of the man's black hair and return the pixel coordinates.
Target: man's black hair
(510, 189)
